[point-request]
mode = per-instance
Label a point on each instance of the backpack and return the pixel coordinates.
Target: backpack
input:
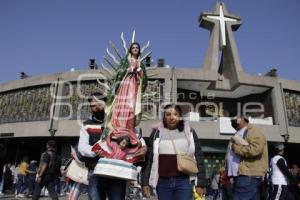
(54, 164)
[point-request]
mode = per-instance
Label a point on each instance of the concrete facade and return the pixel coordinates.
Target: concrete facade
(71, 127)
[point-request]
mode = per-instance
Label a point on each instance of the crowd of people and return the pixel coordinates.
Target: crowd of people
(247, 172)
(20, 179)
(110, 132)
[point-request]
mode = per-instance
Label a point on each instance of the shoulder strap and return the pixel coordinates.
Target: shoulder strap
(156, 132)
(50, 158)
(172, 142)
(245, 134)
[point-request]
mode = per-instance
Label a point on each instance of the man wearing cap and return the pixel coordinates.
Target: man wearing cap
(90, 133)
(253, 160)
(281, 176)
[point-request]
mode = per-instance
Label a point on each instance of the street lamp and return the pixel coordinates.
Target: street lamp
(52, 132)
(286, 137)
(54, 111)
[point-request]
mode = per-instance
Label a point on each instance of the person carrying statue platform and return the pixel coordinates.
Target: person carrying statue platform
(123, 108)
(123, 114)
(90, 133)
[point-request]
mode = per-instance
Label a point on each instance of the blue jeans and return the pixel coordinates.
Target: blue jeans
(175, 188)
(101, 187)
(30, 182)
(21, 184)
(94, 188)
(114, 189)
(246, 187)
(215, 194)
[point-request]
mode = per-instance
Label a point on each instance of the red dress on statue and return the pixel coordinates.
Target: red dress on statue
(123, 115)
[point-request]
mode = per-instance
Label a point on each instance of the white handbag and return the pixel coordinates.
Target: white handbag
(78, 172)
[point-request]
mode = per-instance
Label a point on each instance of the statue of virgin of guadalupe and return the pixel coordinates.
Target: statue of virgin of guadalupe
(123, 106)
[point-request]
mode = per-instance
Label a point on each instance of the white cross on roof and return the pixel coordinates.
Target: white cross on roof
(222, 20)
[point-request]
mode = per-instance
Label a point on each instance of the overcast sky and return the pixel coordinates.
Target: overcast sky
(50, 36)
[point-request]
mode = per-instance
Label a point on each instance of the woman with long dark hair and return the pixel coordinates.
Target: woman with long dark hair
(161, 170)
